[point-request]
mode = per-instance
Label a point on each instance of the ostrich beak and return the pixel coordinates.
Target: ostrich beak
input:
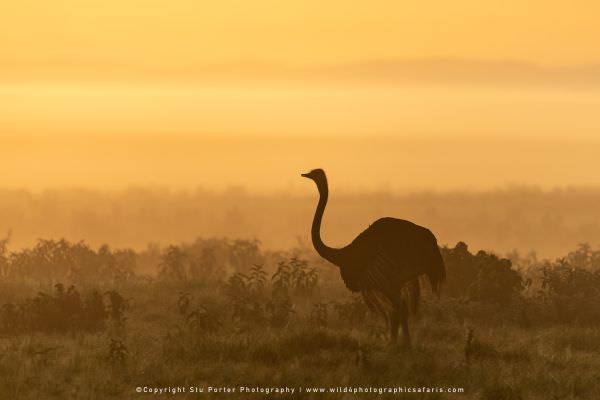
(305, 175)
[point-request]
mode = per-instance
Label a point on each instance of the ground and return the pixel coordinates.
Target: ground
(458, 344)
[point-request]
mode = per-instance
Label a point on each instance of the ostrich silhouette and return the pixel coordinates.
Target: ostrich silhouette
(388, 256)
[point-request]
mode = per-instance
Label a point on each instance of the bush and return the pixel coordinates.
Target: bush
(483, 277)
(496, 281)
(60, 312)
(571, 293)
(50, 261)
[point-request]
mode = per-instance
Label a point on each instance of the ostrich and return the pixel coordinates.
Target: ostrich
(388, 256)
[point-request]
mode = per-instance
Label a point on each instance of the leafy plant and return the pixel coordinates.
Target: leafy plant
(245, 303)
(256, 279)
(117, 306)
(280, 308)
(62, 311)
(199, 320)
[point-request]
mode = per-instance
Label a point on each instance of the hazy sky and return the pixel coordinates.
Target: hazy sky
(82, 81)
(153, 33)
(274, 164)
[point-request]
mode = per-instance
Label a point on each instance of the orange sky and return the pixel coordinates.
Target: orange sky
(410, 70)
(273, 164)
(153, 33)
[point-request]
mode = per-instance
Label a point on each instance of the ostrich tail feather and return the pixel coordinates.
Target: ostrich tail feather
(437, 274)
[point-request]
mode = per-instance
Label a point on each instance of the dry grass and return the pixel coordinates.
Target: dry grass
(505, 361)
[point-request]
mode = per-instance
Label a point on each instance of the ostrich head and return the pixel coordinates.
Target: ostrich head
(318, 176)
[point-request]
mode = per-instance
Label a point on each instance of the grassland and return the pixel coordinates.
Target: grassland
(502, 360)
(222, 313)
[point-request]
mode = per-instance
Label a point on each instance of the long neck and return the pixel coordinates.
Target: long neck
(328, 253)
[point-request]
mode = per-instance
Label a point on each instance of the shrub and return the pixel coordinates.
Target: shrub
(572, 293)
(60, 312)
(496, 281)
(50, 261)
(483, 277)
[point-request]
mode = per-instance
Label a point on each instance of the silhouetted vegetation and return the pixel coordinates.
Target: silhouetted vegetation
(483, 276)
(566, 289)
(51, 261)
(238, 307)
(63, 311)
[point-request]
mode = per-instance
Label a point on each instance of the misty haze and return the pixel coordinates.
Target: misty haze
(549, 223)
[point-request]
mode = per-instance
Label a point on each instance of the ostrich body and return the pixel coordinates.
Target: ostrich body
(385, 258)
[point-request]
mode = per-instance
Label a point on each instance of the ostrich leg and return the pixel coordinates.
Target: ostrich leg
(394, 320)
(404, 320)
(399, 316)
